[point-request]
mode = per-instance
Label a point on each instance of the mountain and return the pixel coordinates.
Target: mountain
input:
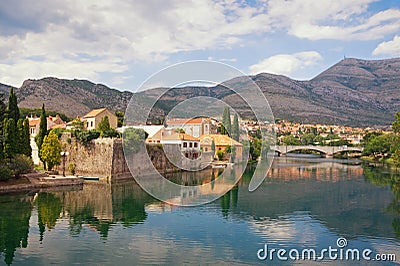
(72, 97)
(352, 92)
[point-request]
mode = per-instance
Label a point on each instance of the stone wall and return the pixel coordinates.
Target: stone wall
(94, 159)
(104, 158)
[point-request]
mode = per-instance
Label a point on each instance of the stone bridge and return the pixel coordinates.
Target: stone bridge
(327, 151)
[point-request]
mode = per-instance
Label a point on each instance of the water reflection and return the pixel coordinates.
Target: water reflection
(387, 178)
(14, 224)
(302, 202)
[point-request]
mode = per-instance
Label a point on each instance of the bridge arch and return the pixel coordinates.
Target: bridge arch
(327, 151)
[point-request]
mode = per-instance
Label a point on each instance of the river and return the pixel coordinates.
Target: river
(303, 203)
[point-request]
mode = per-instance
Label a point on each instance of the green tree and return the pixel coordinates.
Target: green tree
(220, 155)
(104, 125)
(235, 128)
(120, 116)
(19, 136)
(307, 139)
(226, 122)
(213, 146)
(13, 110)
(396, 158)
(9, 135)
(378, 146)
(291, 140)
(133, 140)
(42, 130)
(2, 116)
(51, 149)
(396, 123)
(77, 124)
(255, 148)
(26, 139)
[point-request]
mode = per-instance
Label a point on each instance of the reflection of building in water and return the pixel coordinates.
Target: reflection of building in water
(206, 184)
(95, 196)
(319, 172)
(101, 204)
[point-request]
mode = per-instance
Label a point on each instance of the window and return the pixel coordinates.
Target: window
(185, 144)
(91, 123)
(190, 145)
(206, 149)
(195, 144)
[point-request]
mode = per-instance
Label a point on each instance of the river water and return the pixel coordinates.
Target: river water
(304, 203)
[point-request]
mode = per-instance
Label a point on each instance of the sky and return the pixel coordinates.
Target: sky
(122, 43)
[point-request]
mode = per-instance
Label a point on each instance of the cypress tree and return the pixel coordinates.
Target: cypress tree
(42, 131)
(226, 122)
(24, 145)
(2, 116)
(235, 128)
(9, 137)
(19, 136)
(13, 110)
(27, 139)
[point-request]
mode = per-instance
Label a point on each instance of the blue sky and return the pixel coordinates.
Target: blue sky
(121, 43)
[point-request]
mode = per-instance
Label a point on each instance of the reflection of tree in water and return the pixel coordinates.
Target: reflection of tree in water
(85, 215)
(122, 203)
(14, 225)
(230, 199)
(391, 179)
(129, 202)
(49, 209)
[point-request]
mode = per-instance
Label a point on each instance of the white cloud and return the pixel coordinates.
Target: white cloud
(391, 48)
(121, 32)
(336, 20)
(286, 64)
(85, 38)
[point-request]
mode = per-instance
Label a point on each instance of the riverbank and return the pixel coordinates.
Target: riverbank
(38, 180)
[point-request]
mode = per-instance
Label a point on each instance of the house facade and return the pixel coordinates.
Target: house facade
(188, 145)
(194, 127)
(94, 117)
(52, 123)
(222, 142)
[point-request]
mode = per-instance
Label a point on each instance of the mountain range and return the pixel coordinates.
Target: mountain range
(353, 92)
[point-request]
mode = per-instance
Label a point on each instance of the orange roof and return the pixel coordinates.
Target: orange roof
(183, 121)
(59, 126)
(180, 136)
(220, 140)
(34, 122)
(95, 112)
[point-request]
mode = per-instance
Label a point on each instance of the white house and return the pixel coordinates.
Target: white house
(188, 145)
(194, 127)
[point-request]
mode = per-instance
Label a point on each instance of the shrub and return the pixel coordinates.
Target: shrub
(71, 168)
(58, 132)
(85, 136)
(5, 173)
(220, 155)
(110, 133)
(21, 164)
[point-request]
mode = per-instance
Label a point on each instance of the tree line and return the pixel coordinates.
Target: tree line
(15, 148)
(384, 147)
